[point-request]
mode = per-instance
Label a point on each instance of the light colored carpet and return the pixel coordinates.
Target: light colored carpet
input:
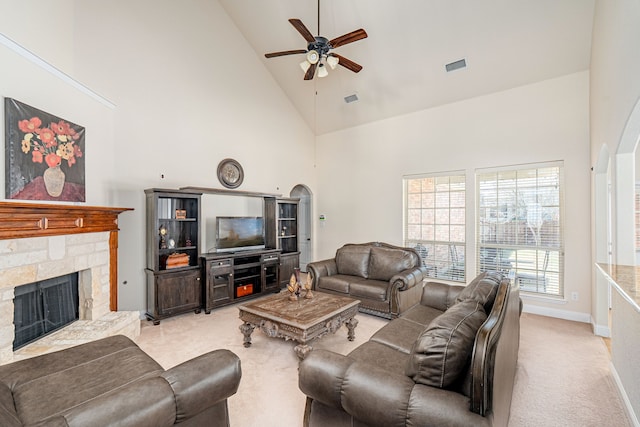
(563, 377)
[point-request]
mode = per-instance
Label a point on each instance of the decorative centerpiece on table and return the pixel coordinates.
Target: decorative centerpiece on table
(295, 286)
(307, 287)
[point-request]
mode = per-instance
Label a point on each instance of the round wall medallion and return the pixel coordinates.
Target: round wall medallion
(230, 173)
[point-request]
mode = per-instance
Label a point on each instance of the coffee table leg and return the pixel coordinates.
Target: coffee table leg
(302, 350)
(247, 329)
(351, 326)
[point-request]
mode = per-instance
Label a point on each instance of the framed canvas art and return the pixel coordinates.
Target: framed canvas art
(44, 155)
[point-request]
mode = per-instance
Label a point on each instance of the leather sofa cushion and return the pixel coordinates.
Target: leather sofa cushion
(369, 289)
(399, 335)
(385, 263)
(422, 315)
(377, 354)
(441, 353)
(482, 289)
(353, 260)
(337, 283)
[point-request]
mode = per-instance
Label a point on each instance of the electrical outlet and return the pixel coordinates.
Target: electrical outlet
(574, 296)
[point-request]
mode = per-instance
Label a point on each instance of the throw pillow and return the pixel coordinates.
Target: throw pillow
(353, 260)
(482, 289)
(384, 263)
(441, 353)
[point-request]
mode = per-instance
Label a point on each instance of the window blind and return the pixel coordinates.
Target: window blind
(520, 225)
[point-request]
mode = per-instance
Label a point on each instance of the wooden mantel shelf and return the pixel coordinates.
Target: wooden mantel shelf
(18, 220)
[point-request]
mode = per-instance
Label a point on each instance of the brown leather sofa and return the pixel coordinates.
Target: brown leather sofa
(112, 382)
(449, 361)
(386, 279)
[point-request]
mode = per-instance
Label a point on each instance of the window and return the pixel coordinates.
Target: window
(519, 225)
(435, 223)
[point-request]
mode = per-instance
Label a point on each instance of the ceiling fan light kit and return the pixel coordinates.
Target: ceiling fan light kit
(322, 71)
(313, 57)
(333, 62)
(318, 52)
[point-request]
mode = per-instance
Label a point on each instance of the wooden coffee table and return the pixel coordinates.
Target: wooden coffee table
(302, 320)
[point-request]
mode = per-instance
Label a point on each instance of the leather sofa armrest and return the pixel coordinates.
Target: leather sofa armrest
(8, 415)
(318, 269)
(408, 278)
(440, 295)
(203, 381)
(368, 393)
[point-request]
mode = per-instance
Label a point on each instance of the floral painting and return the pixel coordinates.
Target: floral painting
(44, 155)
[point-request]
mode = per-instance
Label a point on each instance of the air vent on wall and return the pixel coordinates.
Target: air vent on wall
(351, 98)
(456, 65)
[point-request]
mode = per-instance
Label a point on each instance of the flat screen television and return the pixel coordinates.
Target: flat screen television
(239, 233)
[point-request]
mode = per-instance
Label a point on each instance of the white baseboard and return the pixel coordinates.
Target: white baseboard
(600, 330)
(559, 314)
(625, 399)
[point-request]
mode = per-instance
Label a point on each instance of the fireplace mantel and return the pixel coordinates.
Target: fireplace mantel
(35, 220)
(20, 220)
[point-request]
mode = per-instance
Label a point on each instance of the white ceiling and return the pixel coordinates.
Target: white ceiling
(506, 43)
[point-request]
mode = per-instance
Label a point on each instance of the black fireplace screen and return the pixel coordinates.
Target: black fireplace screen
(43, 307)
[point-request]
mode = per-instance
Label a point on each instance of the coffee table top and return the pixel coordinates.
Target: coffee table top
(302, 313)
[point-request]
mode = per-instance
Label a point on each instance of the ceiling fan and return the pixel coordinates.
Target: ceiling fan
(319, 48)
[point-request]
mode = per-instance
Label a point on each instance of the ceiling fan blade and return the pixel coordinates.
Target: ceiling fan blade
(303, 30)
(351, 37)
(310, 72)
(284, 52)
(347, 63)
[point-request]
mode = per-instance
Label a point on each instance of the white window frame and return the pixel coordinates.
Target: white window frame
(520, 225)
(437, 231)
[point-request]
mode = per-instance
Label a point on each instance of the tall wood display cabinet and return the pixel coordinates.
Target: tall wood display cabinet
(174, 284)
(281, 232)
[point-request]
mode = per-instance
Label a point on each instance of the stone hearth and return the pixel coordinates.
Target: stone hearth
(62, 249)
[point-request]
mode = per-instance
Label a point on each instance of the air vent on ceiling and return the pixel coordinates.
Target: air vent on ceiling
(351, 98)
(456, 65)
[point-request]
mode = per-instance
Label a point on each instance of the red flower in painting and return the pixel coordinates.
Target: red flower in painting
(48, 137)
(36, 157)
(53, 143)
(61, 128)
(52, 160)
(32, 125)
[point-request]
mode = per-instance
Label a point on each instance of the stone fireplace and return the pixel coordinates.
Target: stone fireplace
(39, 242)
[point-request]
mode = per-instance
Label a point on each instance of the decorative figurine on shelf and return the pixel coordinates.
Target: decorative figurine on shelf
(284, 231)
(163, 235)
(294, 288)
(307, 287)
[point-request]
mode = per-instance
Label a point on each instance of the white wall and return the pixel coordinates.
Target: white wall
(360, 170)
(189, 92)
(615, 124)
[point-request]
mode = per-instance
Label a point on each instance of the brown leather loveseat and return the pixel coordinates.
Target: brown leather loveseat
(448, 361)
(386, 279)
(112, 382)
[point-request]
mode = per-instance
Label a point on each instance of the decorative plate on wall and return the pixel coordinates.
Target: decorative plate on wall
(230, 173)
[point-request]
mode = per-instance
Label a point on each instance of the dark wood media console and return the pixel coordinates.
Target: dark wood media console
(230, 277)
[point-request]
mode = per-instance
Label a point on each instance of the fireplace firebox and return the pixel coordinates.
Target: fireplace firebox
(44, 307)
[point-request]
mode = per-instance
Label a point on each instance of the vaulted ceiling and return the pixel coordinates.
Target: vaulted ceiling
(505, 43)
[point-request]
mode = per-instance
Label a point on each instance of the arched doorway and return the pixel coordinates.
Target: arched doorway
(305, 224)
